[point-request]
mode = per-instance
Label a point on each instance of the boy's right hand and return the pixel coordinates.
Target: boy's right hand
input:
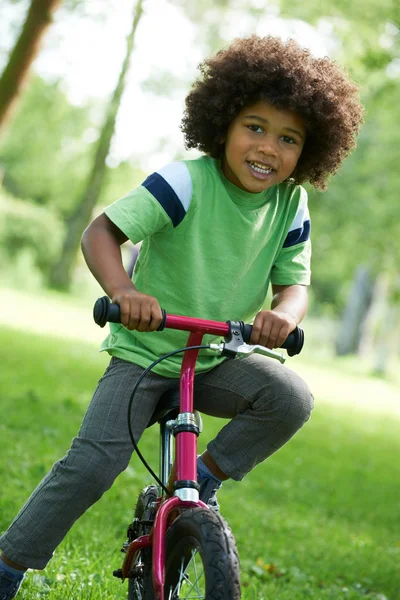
(138, 311)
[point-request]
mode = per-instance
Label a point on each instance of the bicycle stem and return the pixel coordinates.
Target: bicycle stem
(186, 441)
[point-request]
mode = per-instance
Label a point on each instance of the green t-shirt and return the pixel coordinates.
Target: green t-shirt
(209, 250)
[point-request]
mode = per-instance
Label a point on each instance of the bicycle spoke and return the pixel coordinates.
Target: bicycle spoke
(195, 572)
(193, 592)
(138, 591)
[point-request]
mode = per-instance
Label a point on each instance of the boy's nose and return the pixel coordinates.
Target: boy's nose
(268, 146)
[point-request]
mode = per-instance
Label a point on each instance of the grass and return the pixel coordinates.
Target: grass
(319, 520)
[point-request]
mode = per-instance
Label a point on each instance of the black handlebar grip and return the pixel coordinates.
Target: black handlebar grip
(293, 343)
(246, 332)
(104, 311)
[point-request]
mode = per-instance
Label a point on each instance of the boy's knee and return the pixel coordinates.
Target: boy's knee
(302, 400)
(288, 400)
(92, 471)
(303, 404)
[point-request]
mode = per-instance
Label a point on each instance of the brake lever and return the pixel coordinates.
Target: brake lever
(244, 350)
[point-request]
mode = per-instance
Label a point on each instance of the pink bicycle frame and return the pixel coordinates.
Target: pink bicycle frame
(186, 450)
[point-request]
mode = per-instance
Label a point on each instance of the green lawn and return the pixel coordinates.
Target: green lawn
(319, 520)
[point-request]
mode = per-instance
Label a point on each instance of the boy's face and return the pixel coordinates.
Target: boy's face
(262, 146)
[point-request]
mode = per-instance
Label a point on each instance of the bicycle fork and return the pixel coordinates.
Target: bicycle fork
(156, 539)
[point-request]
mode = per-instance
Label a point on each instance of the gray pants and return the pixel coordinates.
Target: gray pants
(267, 404)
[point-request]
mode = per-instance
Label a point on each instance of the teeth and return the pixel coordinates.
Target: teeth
(260, 168)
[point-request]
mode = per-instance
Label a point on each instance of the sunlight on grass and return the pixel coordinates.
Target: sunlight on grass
(52, 314)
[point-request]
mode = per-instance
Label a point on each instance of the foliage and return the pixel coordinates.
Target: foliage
(216, 16)
(309, 522)
(49, 148)
(27, 227)
(355, 221)
(61, 275)
(46, 154)
(120, 180)
(358, 11)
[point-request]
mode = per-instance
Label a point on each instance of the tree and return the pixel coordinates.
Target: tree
(360, 12)
(47, 151)
(61, 274)
(16, 72)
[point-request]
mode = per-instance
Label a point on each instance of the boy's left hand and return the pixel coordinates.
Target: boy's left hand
(271, 328)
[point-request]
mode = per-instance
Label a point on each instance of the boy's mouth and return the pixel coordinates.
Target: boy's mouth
(260, 168)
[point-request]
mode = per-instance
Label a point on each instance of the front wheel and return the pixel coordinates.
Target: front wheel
(201, 558)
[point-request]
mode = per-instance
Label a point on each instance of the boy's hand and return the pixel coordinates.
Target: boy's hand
(138, 311)
(271, 328)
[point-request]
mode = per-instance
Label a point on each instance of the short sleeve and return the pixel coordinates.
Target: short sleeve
(292, 265)
(138, 215)
(159, 203)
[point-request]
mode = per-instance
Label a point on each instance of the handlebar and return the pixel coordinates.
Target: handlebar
(104, 311)
(293, 343)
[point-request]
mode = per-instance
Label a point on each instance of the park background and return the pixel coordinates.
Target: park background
(91, 97)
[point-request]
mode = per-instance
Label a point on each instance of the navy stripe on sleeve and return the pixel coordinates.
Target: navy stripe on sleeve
(166, 196)
(298, 235)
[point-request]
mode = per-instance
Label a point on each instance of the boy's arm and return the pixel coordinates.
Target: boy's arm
(101, 248)
(288, 307)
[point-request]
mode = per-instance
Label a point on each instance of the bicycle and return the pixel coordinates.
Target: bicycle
(177, 547)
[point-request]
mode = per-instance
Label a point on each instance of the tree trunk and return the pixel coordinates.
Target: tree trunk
(350, 330)
(381, 326)
(16, 72)
(61, 274)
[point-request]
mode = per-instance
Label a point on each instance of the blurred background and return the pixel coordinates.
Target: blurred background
(91, 97)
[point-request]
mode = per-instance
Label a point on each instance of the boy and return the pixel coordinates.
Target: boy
(216, 232)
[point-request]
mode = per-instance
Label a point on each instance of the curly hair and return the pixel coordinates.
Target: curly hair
(288, 77)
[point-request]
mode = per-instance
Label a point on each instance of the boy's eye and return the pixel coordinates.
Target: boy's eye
(256, 128)
(288, 139)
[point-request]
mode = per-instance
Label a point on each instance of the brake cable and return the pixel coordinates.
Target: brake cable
(135, 388)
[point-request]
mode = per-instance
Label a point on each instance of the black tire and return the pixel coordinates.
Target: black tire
(141, 587)
(201, 537)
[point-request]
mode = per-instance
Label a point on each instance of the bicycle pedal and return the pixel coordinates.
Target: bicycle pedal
(118, 573)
